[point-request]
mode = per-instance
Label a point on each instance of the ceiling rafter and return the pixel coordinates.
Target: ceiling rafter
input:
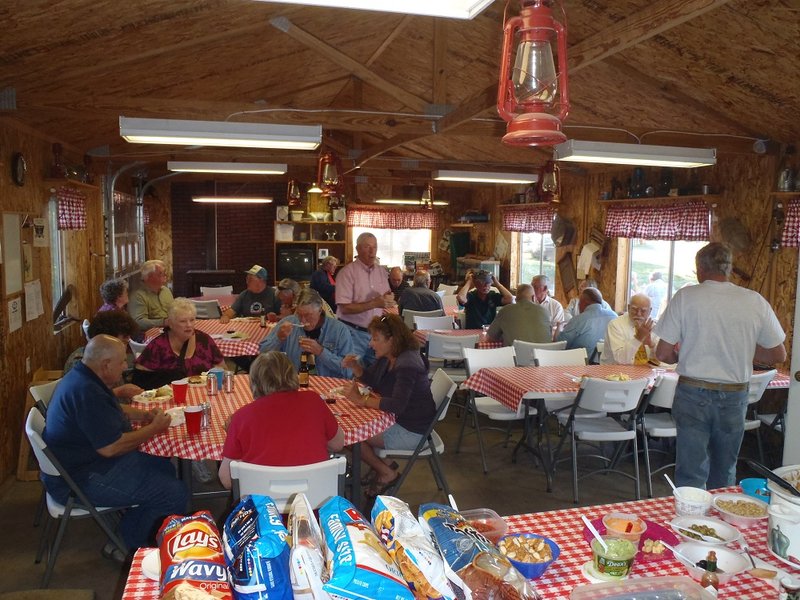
(439, 95)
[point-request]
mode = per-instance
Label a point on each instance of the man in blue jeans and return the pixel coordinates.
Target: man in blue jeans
(90, 433)
(714, 331)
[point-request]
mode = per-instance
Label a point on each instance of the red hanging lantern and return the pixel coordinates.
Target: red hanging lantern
(532, 95)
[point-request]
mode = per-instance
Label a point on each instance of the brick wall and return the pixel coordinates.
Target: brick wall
(208, 236)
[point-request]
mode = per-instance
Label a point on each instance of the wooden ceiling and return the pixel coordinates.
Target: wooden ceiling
(395, 93)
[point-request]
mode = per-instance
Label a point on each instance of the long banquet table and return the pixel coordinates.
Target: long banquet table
(358, 424)
(566, 529)
(230, 347)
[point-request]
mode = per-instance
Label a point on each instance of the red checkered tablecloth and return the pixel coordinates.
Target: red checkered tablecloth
(229, 347)
(780, 381)
(422, 336)
(565, 528)
(358, 423)
(509, 385)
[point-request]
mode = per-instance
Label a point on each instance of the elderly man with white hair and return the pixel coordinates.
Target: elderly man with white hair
(542, 297)
(149, 304)
(420, 296)
(630, 339)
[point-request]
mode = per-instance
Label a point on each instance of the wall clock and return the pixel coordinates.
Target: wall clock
(18, 169)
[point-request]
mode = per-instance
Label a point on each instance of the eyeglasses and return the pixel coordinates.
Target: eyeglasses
(639, 310)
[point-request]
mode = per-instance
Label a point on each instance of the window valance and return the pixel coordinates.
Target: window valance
(688, 222)
(381, 218)
(790, 238)
(528, 219)
(71, 208)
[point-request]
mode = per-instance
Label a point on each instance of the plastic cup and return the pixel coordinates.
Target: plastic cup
(615, 563)
(219, 374)
(194, 419)
(179, 389)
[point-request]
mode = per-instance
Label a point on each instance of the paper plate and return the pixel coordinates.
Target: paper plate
(587, 570)
(239, 335)
(149, 396)
(177, 416)
(151, 565)
(654, 532)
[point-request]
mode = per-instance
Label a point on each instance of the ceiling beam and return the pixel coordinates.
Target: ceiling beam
(439, 95)
(352, 66)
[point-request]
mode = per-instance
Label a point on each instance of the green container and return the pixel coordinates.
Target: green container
(615, 563)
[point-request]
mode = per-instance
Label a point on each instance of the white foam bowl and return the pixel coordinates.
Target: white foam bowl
(729, 563)
(740, 520)
(691, 501)
(725, 531)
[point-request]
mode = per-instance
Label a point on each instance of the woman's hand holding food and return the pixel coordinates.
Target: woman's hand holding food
(351, 362)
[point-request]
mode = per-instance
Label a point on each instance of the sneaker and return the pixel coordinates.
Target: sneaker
(201, 472)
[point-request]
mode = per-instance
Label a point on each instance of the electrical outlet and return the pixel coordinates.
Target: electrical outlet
(28, 364)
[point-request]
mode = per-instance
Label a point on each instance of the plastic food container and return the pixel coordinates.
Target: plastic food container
(487, 522)
(691, 501)
(624, 526)
(642, 588)
(533, 570)
(759, 511)
(756, 487)
(615, 563)
(729, 563)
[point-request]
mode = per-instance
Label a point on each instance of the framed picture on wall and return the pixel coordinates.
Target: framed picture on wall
(322, 253)
(566, 269)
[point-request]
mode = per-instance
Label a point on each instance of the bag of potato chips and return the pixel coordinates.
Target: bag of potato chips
(307, 557)
(412, 551)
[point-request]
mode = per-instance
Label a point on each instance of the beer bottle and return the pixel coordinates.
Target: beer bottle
(710, 580)
(302, 373)
(262, 320)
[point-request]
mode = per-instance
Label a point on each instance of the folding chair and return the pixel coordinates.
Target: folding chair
(620, 398)
(137, 347)
(207, 309)
(85, 328)
(752, 422)
(597, 353)
(216, 292)
(77, 506)
(429, 323)
(408, 315)
(449, 301)
(318, 481)
(446, 352)
(524, 350)
(431, 445)
(41, 395)
(657, 424)
(449, 290)
(494, 410)
(559, 358)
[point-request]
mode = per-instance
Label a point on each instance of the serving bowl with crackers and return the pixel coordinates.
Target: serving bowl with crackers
(530, 553)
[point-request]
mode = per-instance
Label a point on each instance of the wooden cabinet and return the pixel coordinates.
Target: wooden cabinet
(322, 238)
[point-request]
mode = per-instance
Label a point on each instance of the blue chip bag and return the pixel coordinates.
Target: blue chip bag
(256, 551)
(359, 565)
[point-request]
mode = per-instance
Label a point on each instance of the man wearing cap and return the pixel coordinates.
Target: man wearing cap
(480, 304)
(149, 304)
(258, 299)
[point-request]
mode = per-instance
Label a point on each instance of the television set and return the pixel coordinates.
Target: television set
(296, 263)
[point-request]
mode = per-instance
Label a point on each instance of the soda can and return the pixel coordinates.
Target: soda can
(206, 420)
(211, 385)
(228, 382)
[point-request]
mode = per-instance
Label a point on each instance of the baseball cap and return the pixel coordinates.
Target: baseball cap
(258, 271)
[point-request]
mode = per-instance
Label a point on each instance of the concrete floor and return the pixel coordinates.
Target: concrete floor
(507, 488)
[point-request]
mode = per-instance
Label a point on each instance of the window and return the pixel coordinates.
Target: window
(660, 268)
(57, 250)
(392, 243)
(128, 230)
(537, 255)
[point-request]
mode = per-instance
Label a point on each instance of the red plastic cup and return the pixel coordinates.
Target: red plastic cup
(179, 389)
(194, 418)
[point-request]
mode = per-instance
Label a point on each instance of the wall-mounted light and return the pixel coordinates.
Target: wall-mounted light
(227, 167)
(634, 154)
(232, 200)
(485, 177)
(220, 133)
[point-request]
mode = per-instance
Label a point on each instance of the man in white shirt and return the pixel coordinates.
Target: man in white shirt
(553, 306)
(630, 339)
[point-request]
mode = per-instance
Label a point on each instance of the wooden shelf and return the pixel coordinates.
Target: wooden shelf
(73, 182)
(784, 194)
(310, 222)
(526, 204)
(662, 198)
(309, 242)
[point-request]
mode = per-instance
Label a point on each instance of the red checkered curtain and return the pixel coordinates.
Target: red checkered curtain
(529, 219)
(71, 208)
(687, 222)
(392, 219)
(790, 238)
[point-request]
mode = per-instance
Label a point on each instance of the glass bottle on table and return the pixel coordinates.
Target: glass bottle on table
(710, 580)
(302, 373)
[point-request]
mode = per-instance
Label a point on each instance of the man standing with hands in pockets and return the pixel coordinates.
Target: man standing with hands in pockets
(714, 331)
(362, 292)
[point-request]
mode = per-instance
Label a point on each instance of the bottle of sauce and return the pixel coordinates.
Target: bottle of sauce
(302, 373)
(262, 320)
(710, 580)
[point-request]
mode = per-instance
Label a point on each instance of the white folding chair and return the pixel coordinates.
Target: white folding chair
(85, 328)
(619, 398)
(524, 350)
(429, 323)
(659, 425)
(446, 352)
(449, 301)
(559, 358)
(207, 309)
(137, 347)
(41, 395)
(475, 361)
(431, 445)
(318, 481)
(752, 422)
(449, 290)
(597, 353)
(408, 315)
(216, 292)
(77, 506)
(440, 293)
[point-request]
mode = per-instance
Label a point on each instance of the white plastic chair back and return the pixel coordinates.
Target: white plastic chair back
(449, 301)
(485, 358)
(663, 392)
(207, 309)
(408, 315)
(442, 388)
(440, 293)
(558, 358)
(430, 323)
(601, 395)
(318, 481)
(524, 350)
(44, 392)
(34, 428)
(448, 290)
(85, 327)
(758, 385)
(450, 347)
(137, 347)
(216, 292)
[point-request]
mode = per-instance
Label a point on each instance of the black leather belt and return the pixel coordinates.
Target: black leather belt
(712, 385)
(354, 326)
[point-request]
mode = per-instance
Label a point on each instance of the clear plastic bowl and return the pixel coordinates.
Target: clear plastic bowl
(691, 501)
(614, 522)
(487, 522)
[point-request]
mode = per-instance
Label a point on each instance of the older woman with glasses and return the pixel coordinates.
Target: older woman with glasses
(180, 351)
(399, 381)
(282, 427)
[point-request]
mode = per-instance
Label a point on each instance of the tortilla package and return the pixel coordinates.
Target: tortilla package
(192, 564)
(359, 564)
(412, 550)
(256, 551)
(478, 563)
(307, 556)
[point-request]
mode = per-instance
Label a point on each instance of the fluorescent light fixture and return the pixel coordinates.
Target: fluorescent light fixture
(454, 9)
(231, 200)
(220, 133)
(406, 201)
(227, 167)
(485, 177)
(634, 154)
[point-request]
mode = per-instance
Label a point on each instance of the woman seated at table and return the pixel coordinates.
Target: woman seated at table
(115, 295)
(282, 427)
(399, 381)
(178, 352)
